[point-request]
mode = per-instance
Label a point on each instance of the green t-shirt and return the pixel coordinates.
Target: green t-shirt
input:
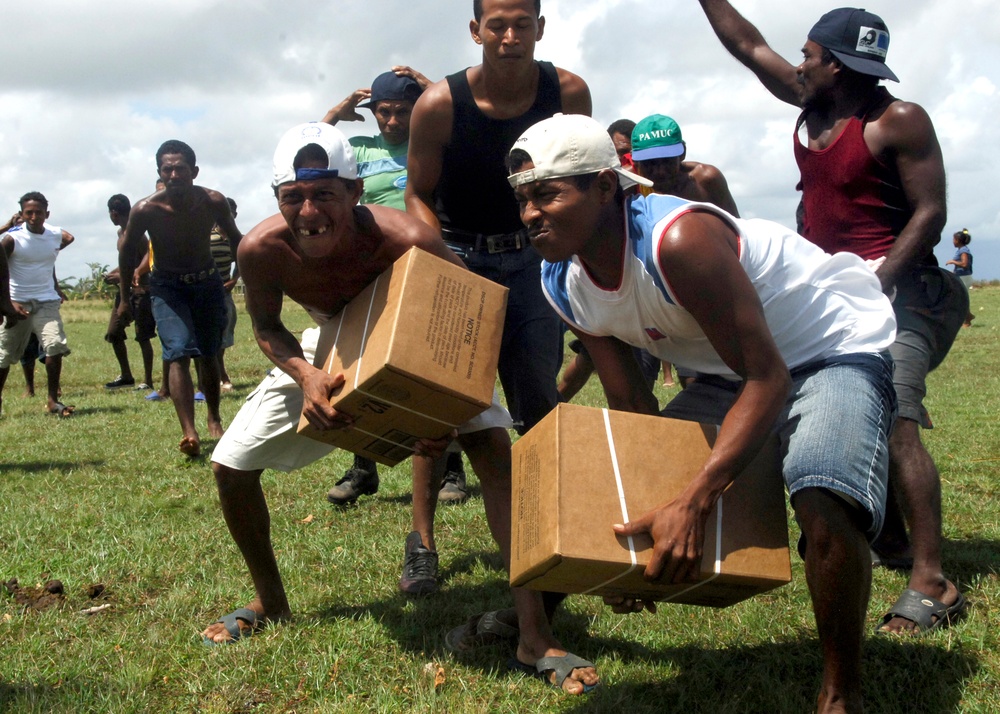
(383, 167)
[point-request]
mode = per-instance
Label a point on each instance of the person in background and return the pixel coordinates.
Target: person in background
(963, 265)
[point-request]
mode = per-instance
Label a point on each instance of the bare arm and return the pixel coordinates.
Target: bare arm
(699, 256)
(347, 109)
(905, 135)
(263, 303)
(624, 385)
(8, 310)
(225, 221)
(430, 131)
(746, 44)
(67, 238)
(574, 93)
(135, 232)
(717, 188)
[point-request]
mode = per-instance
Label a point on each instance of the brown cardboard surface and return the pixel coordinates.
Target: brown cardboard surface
(418, 349)
(566, 498)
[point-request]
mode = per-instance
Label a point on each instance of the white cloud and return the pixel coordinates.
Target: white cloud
(81, 118)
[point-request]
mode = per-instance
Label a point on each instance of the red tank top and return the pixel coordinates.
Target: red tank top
(852, 202)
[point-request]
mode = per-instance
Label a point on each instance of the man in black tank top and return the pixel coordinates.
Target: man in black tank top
(460, 133)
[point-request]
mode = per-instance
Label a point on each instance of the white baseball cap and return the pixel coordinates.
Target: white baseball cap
(340, 154)
(569, 145)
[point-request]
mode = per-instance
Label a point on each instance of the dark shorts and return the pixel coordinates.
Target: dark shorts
(190, 317)
(142, 314)
(116, 323)
(930, 306)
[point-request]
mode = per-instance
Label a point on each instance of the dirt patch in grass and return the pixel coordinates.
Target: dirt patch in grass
(51, 594)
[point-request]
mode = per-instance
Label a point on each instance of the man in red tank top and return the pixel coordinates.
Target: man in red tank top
(873, 183)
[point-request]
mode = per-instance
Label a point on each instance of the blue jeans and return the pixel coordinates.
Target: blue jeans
(833, 431)
(531, 347)
(189, 317)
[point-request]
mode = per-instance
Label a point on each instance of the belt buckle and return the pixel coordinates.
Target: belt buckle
(503, 243)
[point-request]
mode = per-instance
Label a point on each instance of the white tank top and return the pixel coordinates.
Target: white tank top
(32, 262)
(816, 305)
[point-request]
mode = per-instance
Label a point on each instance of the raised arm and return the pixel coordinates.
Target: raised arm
(746, 44)
(430, 131)
(347, 109)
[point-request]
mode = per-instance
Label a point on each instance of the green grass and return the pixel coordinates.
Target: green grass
(105, 497)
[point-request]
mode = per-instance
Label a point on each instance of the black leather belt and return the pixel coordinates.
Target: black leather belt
(189, 278)
(498, 243)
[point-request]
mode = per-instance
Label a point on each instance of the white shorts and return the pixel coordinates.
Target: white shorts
(45, 321)
(263, 435)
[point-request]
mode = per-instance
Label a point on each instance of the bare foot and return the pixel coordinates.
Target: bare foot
(29, 393)
(190, 446)
(215, 429)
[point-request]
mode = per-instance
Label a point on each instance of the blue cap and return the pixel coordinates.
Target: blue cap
(393, 87)
(857, 38)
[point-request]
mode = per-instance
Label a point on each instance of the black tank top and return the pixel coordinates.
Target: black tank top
(473, 194)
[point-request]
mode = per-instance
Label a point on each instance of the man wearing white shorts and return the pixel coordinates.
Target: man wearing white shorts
(321, 251)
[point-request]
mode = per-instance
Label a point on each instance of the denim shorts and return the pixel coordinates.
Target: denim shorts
(190, 317)
(833, 431)
(531, 346)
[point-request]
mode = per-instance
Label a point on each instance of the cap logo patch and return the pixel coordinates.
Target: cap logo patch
(873, 41)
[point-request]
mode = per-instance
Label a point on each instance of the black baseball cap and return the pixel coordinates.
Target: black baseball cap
(393, 87)
(857, 38)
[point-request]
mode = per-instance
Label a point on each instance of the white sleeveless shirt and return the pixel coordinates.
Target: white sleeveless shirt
(817, 305)
(32, 262)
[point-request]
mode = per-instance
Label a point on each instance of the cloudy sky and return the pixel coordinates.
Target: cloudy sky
(88, 91)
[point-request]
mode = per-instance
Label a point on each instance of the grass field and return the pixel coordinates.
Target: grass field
(106, 498)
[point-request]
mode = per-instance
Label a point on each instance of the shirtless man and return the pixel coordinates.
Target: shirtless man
(321, 251)
(658, 153)
(873, 183)
(119, 208)
(186, 289)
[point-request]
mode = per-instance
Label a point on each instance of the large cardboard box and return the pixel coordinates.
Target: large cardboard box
(581, 470)
(418, 349)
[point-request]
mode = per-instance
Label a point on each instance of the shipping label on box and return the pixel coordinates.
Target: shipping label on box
(418, 349)
(581, 470)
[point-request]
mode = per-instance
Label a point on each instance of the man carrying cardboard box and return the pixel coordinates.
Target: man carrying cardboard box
(796, 340)
(321, 251)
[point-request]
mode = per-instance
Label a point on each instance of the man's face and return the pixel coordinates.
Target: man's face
(117, 218)
(560, 217)
(623, 144)
(34, 215)
(319, 212)
(508, 31)
(664, 173)
(176, 174)
(816, 77)
(393, 118)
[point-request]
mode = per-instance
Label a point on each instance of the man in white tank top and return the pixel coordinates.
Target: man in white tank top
(795, 342)
(31, 247)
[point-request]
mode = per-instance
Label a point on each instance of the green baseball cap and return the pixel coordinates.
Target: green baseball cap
(656, 137)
